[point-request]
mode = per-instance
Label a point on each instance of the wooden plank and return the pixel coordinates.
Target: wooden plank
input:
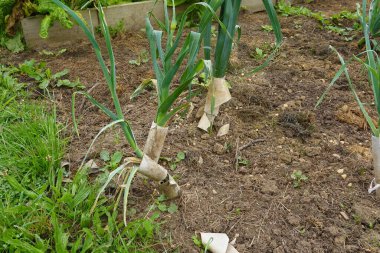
(58, 35)
(133, 14)
(254, 5)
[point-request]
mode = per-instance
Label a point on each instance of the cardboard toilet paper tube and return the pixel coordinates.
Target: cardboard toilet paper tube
(219, 92)
(155, 141)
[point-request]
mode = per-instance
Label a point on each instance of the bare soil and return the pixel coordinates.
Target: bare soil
(257, 203)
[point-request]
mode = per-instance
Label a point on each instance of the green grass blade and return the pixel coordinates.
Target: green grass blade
(110, 176)
(127, 186)
(20, 245)
(60, 237)
(267, 60)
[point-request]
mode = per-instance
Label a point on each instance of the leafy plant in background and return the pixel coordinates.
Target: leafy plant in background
(44, 76)
(13, 11)
(41, 74)
(370, 27)
(330, 24)
(218, 92)
(11, 42)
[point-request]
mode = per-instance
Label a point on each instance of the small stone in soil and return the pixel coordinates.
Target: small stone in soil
(345, 216)
(333, 230)
(243, 170)
(286, 158)
(218, 149)
(313, 151)
(336, 156)
(344, 176)
(340, 171)
(293, 220)
(205, 136)
(269, 187)
(200, 160)
(340, 240)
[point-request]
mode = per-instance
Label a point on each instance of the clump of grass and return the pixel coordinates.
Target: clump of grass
(41, 209)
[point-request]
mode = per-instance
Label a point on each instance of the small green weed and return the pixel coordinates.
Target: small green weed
(163, 207)
(52, 53)
(113, 160)
(173, 162)
(44, 76)
(298, 177)
(242, 161)
(142, 58)
(197, 241)
(267, 28)
(261, 52)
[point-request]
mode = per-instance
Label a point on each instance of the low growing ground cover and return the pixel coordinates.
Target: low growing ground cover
(42, 206)
(287, 177)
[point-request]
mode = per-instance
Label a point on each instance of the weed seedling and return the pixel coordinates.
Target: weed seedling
(298, 177)
(259, 54)
(242, 161)
(163, 207)
(112, 161)
(180, 157)
(142, 58)
(196, 241)
(267, 28)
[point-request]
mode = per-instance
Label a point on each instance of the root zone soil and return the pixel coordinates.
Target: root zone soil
(233, 184)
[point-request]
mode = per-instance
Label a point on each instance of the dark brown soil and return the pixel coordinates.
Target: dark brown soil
(330, 212)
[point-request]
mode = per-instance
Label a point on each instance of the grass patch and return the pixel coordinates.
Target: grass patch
(42, 209)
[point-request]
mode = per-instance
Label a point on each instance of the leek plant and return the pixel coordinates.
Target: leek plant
(167, 59)
(218, 92)
(152, 170)
(370, 24)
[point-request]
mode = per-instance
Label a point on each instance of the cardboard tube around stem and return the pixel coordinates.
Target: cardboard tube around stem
(152, 169)
(156, 172)
(220, 94)
(170, 188)
(155, 141)
(376, 160)
(149, 165)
